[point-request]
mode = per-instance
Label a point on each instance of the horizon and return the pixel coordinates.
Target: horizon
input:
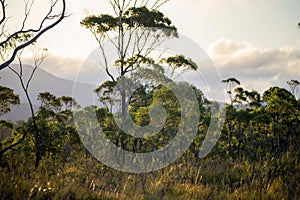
(238, 36)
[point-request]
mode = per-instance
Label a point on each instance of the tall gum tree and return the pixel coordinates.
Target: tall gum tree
(135, 31)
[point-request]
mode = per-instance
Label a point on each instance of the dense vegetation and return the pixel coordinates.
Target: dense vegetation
(256, 156)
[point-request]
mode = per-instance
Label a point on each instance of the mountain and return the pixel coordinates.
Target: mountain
(43, 81)
(20, 112)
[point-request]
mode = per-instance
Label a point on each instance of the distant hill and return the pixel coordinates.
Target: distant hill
(42, 82)
(20, 112)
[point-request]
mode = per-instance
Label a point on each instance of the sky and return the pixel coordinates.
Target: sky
(256, 41)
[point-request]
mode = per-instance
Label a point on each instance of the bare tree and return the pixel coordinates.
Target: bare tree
(12, 43)
(38, 58)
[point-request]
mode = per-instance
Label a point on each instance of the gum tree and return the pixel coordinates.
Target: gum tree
(134, 33)
(230, 84)
(135, 30)
(7, 99)
(283, 108)
(293, 84)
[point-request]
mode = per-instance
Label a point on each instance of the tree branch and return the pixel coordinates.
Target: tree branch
(3, 11)
(40, 31)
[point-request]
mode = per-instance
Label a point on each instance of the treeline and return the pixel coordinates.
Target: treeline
(256, 156)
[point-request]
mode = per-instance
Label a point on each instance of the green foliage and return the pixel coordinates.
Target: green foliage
(256, 157)
(101, 23)
(140, 17)
(7, 98)
(180, 61)
(255, 166)
(15, 41)
(145, 18)
(231, 80)
(4, 123)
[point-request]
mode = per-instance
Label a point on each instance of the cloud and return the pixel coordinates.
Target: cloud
(256, 68)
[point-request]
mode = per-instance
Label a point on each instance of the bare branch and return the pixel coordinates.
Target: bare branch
(32, 125)
(39, 31)
(106, 63)
(27, 12)
(38, 60)
(158, 4)
(2, 2)
(48, 16)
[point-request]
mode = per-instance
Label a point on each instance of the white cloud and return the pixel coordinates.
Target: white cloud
(256, 68)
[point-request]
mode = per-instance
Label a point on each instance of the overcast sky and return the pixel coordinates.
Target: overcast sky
(256, 41)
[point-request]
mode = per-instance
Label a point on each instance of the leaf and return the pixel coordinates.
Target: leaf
(7, 98)
(180, 61)
(102, 23)
(7, 124)
(143, 17)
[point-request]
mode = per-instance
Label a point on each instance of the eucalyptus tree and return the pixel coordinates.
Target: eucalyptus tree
(293, 84)
(135, 30)
(35, 127)
(38, 57)
(54, 119)
(231, 110)
(107, 95)
(240, 96)
(7, 99)
(283, 108)
(253, 98)
(230, 84)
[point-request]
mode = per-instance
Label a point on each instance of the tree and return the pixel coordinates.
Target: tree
(106, 94)
(253, 98)
(50, 118)
(240, 96)
(38, 58)
(139, 31)
(293, 84)
(230, 83)
(7, 98)
(13, 42)
(55, 125)
(282, 106)
(135, 31)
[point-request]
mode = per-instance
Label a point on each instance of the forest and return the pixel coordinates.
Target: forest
(256, 156)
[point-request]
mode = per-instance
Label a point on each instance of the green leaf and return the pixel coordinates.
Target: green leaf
(102, 23)
(180, 61)
(7, 124)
